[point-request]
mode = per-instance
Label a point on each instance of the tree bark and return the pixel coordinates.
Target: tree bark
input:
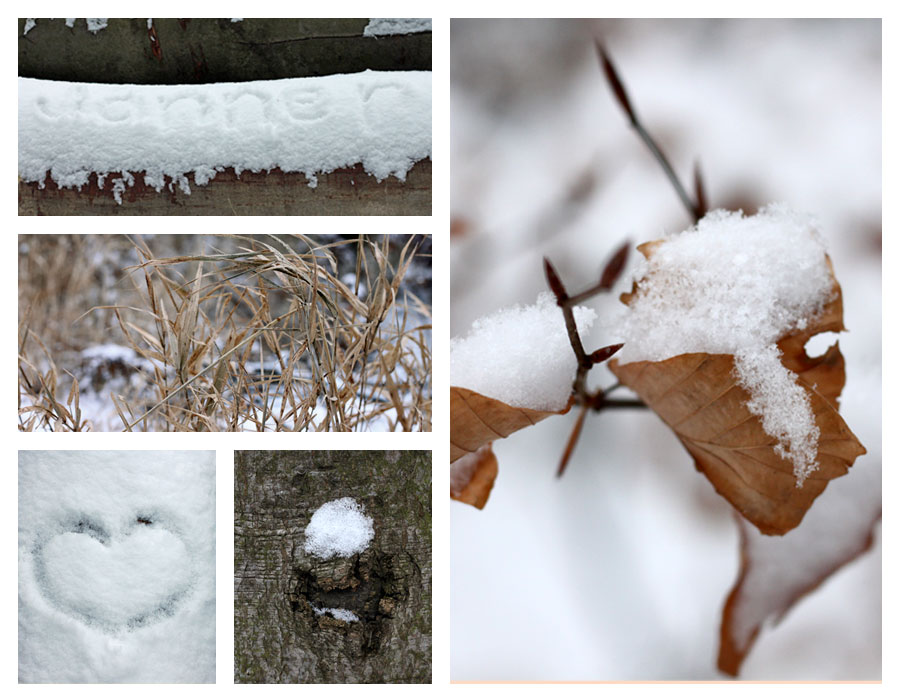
(187, 51)
(278, 637)
(344, 192)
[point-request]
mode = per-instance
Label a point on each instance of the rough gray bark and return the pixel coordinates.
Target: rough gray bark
(344, 192)
(278, 638)
(212, 50)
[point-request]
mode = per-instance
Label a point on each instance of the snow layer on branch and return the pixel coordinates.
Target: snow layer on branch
(338, 529)
(379, 119)
(521, 356)
(735, 285)
(117, 567)
(386, 26)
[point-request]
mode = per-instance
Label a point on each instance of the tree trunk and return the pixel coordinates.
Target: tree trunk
(278, 637)
(187, 51)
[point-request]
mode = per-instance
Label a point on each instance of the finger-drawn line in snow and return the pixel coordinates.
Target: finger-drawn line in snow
(247, 105)
(195, 106)
(376, 102)
(116, 578)
(305, 104)
(116, 109)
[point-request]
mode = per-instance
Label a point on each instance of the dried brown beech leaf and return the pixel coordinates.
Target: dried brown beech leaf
(472, 477)
(697, 395)
(476, 421)
(777, 572)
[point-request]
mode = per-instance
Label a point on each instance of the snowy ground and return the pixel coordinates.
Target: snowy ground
(117, 567)
(620, 570)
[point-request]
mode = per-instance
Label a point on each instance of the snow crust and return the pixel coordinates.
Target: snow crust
(310, 125)
(521, 355)
(386, 26)
(338, 529)
(735, 285)
(116, 567)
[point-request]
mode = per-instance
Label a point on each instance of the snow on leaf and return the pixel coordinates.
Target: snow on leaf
(700, 397)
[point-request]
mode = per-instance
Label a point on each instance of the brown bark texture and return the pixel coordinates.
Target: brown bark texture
(278, 637)
(344, 192)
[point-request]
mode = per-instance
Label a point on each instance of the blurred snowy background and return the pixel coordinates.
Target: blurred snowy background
(620, 569)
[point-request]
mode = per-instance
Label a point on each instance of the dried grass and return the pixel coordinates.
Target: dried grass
(261, 337)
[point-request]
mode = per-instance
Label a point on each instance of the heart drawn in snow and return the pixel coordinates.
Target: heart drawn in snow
(125, 579)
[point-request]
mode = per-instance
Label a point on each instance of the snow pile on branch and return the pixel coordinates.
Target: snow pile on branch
(387, 26)
(310, 125)
(521, 356)
(339, 528)
(736, 285)
(117, 567)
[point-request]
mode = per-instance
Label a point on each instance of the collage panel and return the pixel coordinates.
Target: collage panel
(222, 117)
(332, 566)
(666, 268)
(195, 333)
(117, 566)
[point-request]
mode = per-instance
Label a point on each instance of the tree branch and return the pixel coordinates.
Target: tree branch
(695, 209)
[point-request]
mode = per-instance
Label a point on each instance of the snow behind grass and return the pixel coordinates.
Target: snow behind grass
(521, 356)
(338, 529)
(736, 285)
(310, 125)
(116, 567)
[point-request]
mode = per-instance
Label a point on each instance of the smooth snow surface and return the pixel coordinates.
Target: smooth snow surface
(338, 529)
(386, 26)
(735, 285)
(29, 25)
(521, 356)
(310, 125)
(116, 567)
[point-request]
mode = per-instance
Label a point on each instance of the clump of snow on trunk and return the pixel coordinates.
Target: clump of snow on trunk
(521, 356)
(736, 285)
(338, 529)
(337, 613)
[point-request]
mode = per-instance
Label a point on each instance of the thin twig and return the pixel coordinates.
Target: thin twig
(694, 208)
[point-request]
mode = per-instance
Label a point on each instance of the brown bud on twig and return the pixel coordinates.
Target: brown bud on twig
(603, 354)
(573, 440)
(615, 83)
(555, 283)
(700, 207)
(614, 267)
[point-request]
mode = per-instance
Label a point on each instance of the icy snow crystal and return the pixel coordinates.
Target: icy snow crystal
(521, 356)
(338, 528)
(735, 285)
